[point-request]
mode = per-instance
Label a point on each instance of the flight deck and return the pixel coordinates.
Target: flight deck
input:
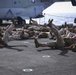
(22, 58)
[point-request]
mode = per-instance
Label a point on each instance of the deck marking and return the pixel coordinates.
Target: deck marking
(46, 56)
(26, 42)
(27, 70)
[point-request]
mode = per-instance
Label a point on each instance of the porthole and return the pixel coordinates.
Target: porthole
(15, 2)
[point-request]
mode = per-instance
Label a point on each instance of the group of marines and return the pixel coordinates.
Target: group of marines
(63, 36)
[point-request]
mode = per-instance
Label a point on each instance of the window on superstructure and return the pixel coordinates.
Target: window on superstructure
(45, 0)
(15, 2)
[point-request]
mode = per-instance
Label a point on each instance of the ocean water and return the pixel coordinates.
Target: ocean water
(59, 18)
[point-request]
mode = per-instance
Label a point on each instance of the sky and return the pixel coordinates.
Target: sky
(61, 7)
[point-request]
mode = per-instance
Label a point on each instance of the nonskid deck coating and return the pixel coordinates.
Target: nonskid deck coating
(22, 55)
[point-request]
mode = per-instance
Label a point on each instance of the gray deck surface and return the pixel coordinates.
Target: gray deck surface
(22, 55)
